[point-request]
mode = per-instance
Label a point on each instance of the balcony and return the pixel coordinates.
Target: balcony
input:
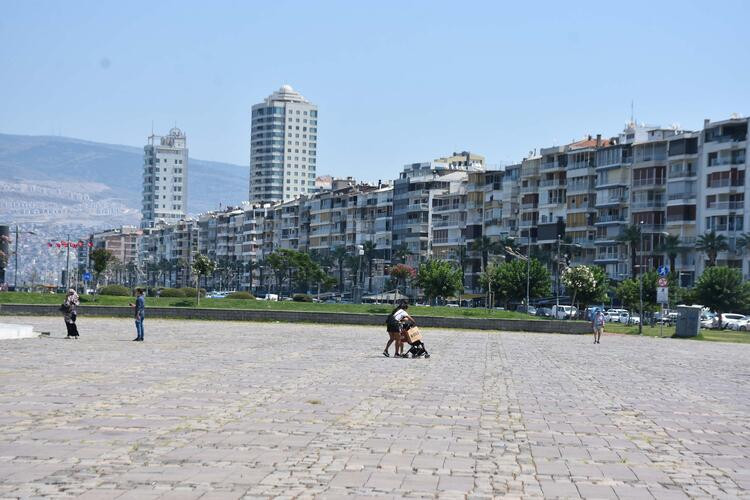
(608, 219)
(550, 166)
(529, 189)
(449, 223)
(610, 200)
(681, 173)
(552, 182)
(580, 188)
(651, 181)
(581, 164)
(682, 196)
(723, 162)
(527, 223)
(725, 183)
(726, 205)
(448, 241)
(651, 228)
(529, 206)
(649, 204)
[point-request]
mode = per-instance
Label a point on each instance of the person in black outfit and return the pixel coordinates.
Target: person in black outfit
(69, 309)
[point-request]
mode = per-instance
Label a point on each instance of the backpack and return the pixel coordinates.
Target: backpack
(392, 323)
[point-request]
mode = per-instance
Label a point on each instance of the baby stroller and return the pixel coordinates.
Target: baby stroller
(417, 349)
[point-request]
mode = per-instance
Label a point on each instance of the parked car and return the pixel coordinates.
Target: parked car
(564, 312)
(740, 325)
(617, 315)
(634, 320)
(731, 320)
(217, 295)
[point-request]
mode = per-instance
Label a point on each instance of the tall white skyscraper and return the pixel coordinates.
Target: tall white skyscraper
(283, 147)
(165, 171)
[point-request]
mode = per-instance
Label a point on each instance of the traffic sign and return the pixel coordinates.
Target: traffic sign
(662, 295)
(662, 282)
(86, 276)
(663, 271)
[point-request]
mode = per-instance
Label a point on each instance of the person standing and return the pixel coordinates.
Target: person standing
(70, 311)
(597, 322)
(140, 310)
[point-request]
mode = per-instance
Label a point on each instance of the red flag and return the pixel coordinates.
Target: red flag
(91, 244)
(58, 245)
(49, 244)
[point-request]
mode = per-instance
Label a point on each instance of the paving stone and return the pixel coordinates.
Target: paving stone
(217, 410)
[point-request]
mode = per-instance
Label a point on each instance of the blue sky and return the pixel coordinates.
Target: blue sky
(396, 82)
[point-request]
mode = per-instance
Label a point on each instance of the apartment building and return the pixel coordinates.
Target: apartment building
(283, 147)
(165, 178)
(121, 242)
(721, 188)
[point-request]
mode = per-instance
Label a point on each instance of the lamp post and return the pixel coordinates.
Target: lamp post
(528, 268)
(640, 276)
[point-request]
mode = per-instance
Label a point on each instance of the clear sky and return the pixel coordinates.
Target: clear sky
(396, 82)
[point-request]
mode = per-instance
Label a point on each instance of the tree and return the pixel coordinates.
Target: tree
(711, 244)
(371, 253)
(722, 289)
(439, 279)
(631, 236)
(628, 292)
(101, 259)
(280, 262)
(588, 284)
(507, 281)
(671, 247)
(401, 273)
(743, 243)
(202, 266)
(401, 253)
(485, 246)
(339, 255)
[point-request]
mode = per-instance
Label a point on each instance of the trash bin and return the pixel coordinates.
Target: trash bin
(688, 321)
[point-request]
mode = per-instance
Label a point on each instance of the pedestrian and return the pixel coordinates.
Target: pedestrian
(597, 323)
(140, 310)
(395, 328)
(69, 309)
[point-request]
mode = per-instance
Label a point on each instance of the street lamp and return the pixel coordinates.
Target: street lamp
(640, 276)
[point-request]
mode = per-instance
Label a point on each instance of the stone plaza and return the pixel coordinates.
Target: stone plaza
(216, 410)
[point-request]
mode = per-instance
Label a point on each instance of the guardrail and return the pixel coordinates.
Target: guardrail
(513, 325)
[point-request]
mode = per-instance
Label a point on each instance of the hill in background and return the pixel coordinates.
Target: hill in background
(51, 179)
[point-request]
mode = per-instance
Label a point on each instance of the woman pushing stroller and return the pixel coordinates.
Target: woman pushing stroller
(398, 323)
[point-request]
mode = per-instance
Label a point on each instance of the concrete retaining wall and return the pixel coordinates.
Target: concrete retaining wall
(518, 325)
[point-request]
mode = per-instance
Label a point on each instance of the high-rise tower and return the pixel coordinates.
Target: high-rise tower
(165, 170)
(283, 147)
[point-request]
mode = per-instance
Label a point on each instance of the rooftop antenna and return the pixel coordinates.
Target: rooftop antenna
(152, 127)
(632, 113)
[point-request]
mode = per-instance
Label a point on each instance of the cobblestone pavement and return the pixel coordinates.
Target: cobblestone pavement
(216, 410)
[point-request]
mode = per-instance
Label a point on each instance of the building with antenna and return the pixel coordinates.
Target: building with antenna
(165, 171)
(283, 147)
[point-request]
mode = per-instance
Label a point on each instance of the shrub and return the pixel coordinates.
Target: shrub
(302, 297)
(172, 292)
(117, 290)
(190, 291)
(241, 295)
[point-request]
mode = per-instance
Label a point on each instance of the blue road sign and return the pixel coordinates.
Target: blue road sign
(86, 276)
(663, 271)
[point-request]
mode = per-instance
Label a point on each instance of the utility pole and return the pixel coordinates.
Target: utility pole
(15, 271)
(640, 275)
(67, 264)
(557, 276)
(528, 268)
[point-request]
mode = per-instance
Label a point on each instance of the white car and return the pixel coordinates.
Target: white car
(564, 312)
(617, 315)
(731, 320)
(634, 320)
(740, 326)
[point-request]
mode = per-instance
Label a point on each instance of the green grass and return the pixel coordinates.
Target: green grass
(668, 331)
(38, 298)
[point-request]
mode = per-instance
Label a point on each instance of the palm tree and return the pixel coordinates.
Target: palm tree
(743, 243)
(370, 254)
(671, 247)
(401, 253)
(711, 244)
(630, 237)
(485, 246)
(339, 254)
